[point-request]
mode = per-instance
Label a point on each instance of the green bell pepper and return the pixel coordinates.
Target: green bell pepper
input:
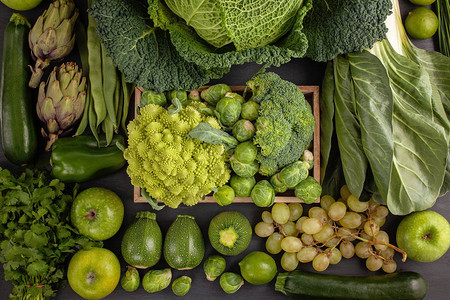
(78, 159)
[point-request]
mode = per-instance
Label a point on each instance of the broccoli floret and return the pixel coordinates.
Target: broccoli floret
(335, 27)
(285, 124)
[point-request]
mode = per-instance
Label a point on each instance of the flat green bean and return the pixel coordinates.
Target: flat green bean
(127, 92)
(110, 81)
(109, 130)
(81, 40)
(93, 121)
(85, 118)
(118, 104)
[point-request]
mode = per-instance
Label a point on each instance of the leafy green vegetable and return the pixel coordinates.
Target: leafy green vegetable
(208, 134)
(35, 233)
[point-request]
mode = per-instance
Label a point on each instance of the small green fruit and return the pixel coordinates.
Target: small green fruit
(258, 268)
(421, 23)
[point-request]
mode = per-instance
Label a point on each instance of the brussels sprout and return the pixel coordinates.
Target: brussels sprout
(308, 157)
(130, 280)
(277, 185)
(194, 95)
(263, 194)
(236, 97)
(242, 186)
(308, 190)
(157, 280)
(243, 130)
(224, 195)
(180, 95)
(213, 266)
(228, 111)
(245, 152)
(231, 282)
(181, 285)
(249, 110)
(214, 93)
(151, 97)
(242, 169)
(294, 173)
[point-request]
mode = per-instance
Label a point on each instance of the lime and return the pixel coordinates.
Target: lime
(421, 2)
(21, 4)
(258, 268)
(421, 23)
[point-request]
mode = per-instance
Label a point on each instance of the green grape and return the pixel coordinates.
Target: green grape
(363, 249)
(266, 216)
(291, 244)
(345, 233)
(383, 237)
(388, 253)
(333, 242)
(319, 214)
(306, 254)
(273, 243)
(263, 229)
(345, 192)
(299, 223)
(350, 220)
(325, 234)
(379, 221)
(389, 266)
(347, 249)
(371, 228)
(321, 262)
(280, 213)
(380, 212)
(326, 201)
(312, 226)
(289, 261)
(373, 204)
(290, 229)
(374, 263)
(335, 256)
(356, 205)
(337, 211)
(307, 239)
(296, 210)
(342, 200)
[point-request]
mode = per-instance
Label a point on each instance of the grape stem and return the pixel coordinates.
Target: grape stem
(378, 242)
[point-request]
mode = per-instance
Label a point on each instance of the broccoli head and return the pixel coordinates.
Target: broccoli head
(285, 124)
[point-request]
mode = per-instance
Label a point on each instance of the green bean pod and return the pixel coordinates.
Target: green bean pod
(93, 120)
(85, 118)
(110, 81)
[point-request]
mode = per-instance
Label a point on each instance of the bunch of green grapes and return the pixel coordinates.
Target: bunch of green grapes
(337, 229)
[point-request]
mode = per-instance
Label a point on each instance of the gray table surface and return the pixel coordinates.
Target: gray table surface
(299, 71)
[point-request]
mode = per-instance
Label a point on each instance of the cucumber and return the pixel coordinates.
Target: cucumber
(19, 135)
(396, 286)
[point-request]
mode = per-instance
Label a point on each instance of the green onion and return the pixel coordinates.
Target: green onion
(443, 13)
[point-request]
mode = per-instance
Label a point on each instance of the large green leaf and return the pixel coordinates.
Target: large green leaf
(374, 105)
(326, 118)
(334, 175)
(348, 130)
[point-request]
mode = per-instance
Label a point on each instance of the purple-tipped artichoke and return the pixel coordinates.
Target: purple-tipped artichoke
(61, 101)
(52, 36)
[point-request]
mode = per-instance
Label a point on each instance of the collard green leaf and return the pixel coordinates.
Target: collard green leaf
(208, 134)
(374, 106)
(354, 161)
(326, 118)
(334, 176)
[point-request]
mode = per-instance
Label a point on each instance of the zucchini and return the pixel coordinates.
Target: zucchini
(398, 286)
(19, 135)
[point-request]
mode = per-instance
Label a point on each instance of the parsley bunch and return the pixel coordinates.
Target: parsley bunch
(35, 233)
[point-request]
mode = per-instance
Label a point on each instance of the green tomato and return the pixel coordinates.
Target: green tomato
(242, 169)
(130, 280)
(181, 285)
(277, 185)
(157, 280)
(245, 152)
(242, 186)
(258, 268)
(308, 190)
(213, 266)
(228, 111)
(231, 282)
(294, 173)
(263, 194)
(249, 110)
(180, 95)
(151, 97)
(224, 195)
(214, 93)
(243, 130)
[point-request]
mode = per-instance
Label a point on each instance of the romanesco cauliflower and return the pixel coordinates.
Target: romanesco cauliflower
(169, 165)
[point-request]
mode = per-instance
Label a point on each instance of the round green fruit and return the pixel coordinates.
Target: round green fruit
(258, 268)
(94, 273)
(424, 236)
(21, 4)
(97, 213)
(422, 2)
(421, 23)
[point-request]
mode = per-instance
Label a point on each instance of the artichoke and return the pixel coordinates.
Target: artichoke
(61, 101)
(52, 36)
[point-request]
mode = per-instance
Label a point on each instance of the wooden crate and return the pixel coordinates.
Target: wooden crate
(312, 96)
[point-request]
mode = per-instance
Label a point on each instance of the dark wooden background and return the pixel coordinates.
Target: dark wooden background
(301, 72)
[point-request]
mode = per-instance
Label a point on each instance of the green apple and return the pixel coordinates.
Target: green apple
(97, 213)
(424, 236)
(94, 273)
(21, 4)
